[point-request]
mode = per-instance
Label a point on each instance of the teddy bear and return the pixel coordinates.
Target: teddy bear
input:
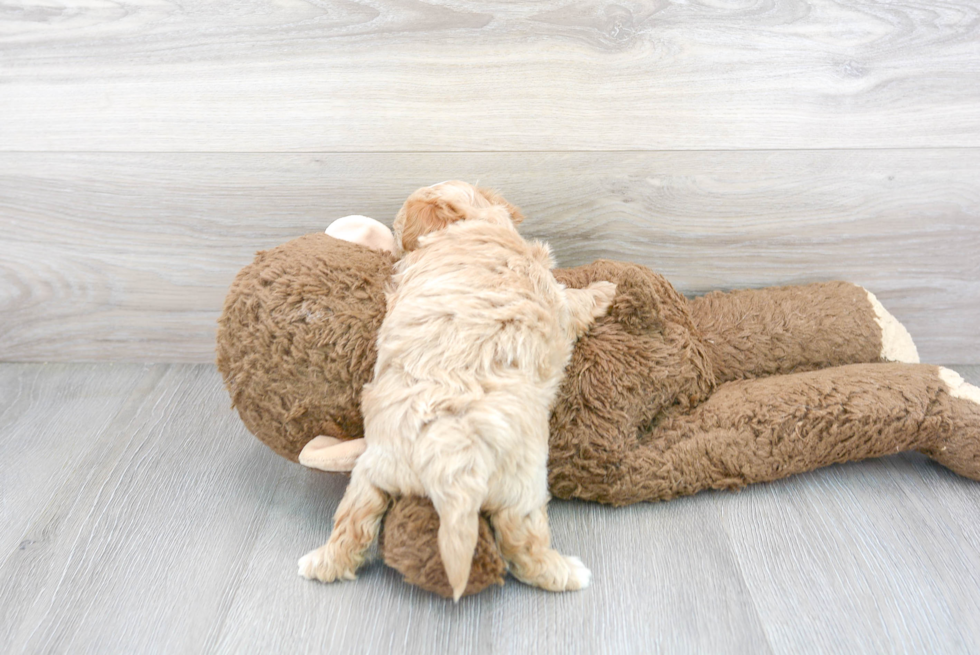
(664, 396)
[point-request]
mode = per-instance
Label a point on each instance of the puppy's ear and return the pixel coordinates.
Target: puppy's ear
(423, 214)
(495, 198)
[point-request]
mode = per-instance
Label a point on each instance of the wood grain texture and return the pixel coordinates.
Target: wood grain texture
(627, 609)
(404, 75)
(128, 257)
(169, 529)
(141, 546)
(51, 420)
(49, 417)
(876, 556)
(859, 544)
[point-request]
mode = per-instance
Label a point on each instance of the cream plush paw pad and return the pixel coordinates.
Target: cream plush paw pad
(330, 454)
(958, 387)
(896, 342)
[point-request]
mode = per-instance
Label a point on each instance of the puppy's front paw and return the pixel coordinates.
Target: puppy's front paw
(603, 293)
(579, 576)
(319, 565)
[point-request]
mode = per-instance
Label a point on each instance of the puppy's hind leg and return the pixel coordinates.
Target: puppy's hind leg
(588, 304)
(524, 541)
(356, 525)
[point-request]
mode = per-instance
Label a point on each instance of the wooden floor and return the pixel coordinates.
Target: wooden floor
(139, 516)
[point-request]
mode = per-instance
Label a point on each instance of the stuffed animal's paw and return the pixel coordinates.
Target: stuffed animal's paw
(320, 565)
(958, 387)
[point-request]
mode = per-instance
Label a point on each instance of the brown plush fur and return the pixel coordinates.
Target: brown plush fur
(411, 527)
(778, 330)
(296, 339)
(663, 397)
(748, 431)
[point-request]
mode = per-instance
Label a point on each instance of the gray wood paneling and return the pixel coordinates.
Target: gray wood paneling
(165, 527)
(128, 256)
(402, 75)
(51, 420)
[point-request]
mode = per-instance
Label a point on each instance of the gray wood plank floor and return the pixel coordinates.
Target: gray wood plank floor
(139, 516)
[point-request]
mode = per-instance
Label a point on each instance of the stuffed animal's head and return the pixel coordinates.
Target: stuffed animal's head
(296, 339)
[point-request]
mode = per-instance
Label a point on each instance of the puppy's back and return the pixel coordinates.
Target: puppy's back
(469, 359)
(474, 297)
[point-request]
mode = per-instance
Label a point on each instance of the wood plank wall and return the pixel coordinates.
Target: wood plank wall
(148, 148)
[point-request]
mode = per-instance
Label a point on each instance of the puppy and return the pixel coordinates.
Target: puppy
(470, 356)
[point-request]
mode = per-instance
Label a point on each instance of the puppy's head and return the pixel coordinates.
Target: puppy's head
(434, 207)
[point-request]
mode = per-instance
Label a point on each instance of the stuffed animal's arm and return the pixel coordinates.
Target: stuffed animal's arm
(409, 544)
(754, 333)
(330, 454)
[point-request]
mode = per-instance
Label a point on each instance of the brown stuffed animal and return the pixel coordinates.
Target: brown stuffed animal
(663, 397)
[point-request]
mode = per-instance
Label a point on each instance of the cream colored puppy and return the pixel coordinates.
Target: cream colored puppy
(470, 355)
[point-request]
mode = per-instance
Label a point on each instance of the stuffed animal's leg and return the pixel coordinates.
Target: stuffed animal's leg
(355, 527)
(754, 333)
(525, 543)
(769, 428)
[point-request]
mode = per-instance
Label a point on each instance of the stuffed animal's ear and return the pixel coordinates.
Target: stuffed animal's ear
(363, 231)
(494, 198)
(330, 454)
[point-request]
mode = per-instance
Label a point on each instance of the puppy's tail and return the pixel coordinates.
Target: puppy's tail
(459, 524)
(456, 480)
